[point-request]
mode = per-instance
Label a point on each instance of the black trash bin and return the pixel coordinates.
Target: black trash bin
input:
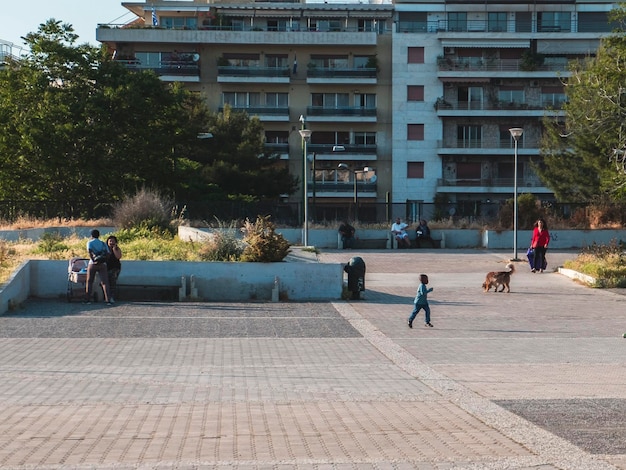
(356, 276)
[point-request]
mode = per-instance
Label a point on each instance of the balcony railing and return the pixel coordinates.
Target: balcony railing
(491, 182)
(342, 187)
(165, 67)
(494, 65)
(315, 72)
(276, 148)
(343, 149)
(346, 111)
(511, 26)
(231, 71)
(259, 110)
(488, 144)
(493, 105)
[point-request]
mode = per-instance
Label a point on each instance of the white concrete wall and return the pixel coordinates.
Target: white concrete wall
(214, 281)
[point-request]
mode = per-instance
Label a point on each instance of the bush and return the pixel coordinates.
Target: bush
(146, 210)
(223, 245)
(263, 244)
(52, 245)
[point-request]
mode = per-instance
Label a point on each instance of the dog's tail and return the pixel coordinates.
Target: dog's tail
(511, 267)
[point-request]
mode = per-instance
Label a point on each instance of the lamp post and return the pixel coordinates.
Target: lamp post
(306, 135)
(343, 166)
(516, 133)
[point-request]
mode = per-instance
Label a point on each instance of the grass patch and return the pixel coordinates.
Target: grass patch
(606, 263)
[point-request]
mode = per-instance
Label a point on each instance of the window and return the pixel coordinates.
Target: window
(178, 22)
(594, 22)
(324, 25)
(365, 100)
(330, 100)
(457, 21)
(412, 22)
(330, 138)
(277, 100)
(277, 25)
(553, 21)
(416, 55)
(469, 136)
(414, 169)
(552, 97)
(241, 99)
(415, 131)
(330, 62)
(415, 93)
(365, 138)
(523, 22)
(363, 61)
(470, 97)
(511, 95)
(468, 173)
(506, 139)
(276, 137)
(277, 61)
(242, 60)
(366, 25)
(148, 59)
(497, 22)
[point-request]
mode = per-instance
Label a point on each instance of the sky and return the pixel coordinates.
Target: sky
(25, 16)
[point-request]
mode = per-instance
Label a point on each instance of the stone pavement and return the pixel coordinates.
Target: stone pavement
(531, 379)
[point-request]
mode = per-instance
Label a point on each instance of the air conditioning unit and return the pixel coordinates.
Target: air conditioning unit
(448, 50)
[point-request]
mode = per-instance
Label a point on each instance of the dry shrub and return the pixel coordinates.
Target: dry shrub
(147, 209)
(223, 244)
(263, 244)
(605, 215)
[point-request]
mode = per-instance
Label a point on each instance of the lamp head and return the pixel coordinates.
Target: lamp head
(305, 133)
(343, 166)
(516, 132)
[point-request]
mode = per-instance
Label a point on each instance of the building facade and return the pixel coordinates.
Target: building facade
(406, 103)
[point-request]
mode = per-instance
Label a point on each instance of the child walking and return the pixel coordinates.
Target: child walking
(421, 302)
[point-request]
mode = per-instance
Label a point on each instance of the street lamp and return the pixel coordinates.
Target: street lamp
(516, 133)
(306, 135)
(343, 166)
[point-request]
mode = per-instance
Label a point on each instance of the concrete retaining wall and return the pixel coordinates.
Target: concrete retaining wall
(214, 281)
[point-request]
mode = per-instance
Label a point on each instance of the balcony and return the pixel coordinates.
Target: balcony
(487, 147)
(342, 189)
(231, 74)
(358, 76)
(447, 108)
(493, 185)
(345, 152)
(491, 65)
(282, 149)
(168, 70)
(342, 114)
(507, 26)
(264, 113)
(231, 35)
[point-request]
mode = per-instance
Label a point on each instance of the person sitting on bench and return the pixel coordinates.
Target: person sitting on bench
(423, 234)
(347, 235)
(398, 229)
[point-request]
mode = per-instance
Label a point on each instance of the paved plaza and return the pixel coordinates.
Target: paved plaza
(534, 379)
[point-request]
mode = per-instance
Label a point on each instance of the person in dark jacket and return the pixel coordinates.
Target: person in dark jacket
(347, 235)
(114, 266)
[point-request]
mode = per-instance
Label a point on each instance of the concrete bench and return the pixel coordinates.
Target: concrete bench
(434, 242)
(367, 240)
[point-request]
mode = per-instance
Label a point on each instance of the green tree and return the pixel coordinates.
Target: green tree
(583, 158)
(78, 127)
(234, 162)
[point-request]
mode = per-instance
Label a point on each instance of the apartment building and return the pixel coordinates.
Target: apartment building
(326, 67)
(464, 73)
(407, 103)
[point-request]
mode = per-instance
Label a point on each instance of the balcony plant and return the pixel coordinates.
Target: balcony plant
(530, 61)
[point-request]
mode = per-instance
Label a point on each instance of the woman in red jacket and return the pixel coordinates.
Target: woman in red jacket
(539, 243)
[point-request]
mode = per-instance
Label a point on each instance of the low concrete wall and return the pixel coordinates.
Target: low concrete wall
(214, 281)
(559, 239)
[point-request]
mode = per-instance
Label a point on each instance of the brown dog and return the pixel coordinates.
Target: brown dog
(499, 278)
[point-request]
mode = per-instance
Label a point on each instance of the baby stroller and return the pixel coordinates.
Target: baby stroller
(76, 274)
